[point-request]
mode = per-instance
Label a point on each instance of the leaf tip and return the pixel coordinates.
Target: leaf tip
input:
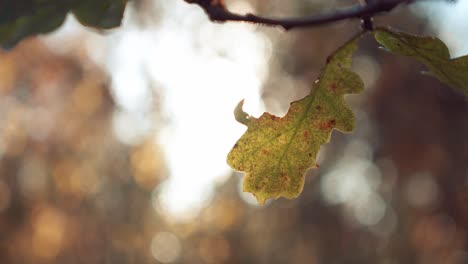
(261, 201)
(241, 116)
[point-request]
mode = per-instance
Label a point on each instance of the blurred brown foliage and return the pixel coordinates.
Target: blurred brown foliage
(70, 192)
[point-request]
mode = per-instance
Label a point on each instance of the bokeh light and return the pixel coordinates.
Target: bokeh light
(49, 231)
(165, 247)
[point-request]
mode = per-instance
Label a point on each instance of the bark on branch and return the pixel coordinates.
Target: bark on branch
(217, 12)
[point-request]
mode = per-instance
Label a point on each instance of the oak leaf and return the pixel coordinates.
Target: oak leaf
(275, 152)
(430, 51)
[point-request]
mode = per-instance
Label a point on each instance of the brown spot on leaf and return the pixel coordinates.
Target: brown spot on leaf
(327, 125)
(319, 108)
(259, 186)
(273, 117)
(306, 134)
(284, 178)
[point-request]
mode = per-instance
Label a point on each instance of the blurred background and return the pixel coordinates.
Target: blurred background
(113, 144)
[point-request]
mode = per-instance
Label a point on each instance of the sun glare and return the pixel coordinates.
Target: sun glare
(205, 73)
(449, 20)
(201, 70)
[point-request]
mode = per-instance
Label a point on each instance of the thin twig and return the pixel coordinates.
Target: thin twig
(217, 12)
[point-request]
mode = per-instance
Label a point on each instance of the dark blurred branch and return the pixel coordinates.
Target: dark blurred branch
(216, 11)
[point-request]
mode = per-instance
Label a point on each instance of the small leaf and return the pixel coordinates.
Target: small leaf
(430, 51)
(276, 152)
(102, 14)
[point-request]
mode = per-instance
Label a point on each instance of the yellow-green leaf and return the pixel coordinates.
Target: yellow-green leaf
(276, 152)
(430, 51)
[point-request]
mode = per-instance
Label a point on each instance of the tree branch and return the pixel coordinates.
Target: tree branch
(217, 12)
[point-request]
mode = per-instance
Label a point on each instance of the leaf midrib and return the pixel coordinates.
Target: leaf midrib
(312, 95)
